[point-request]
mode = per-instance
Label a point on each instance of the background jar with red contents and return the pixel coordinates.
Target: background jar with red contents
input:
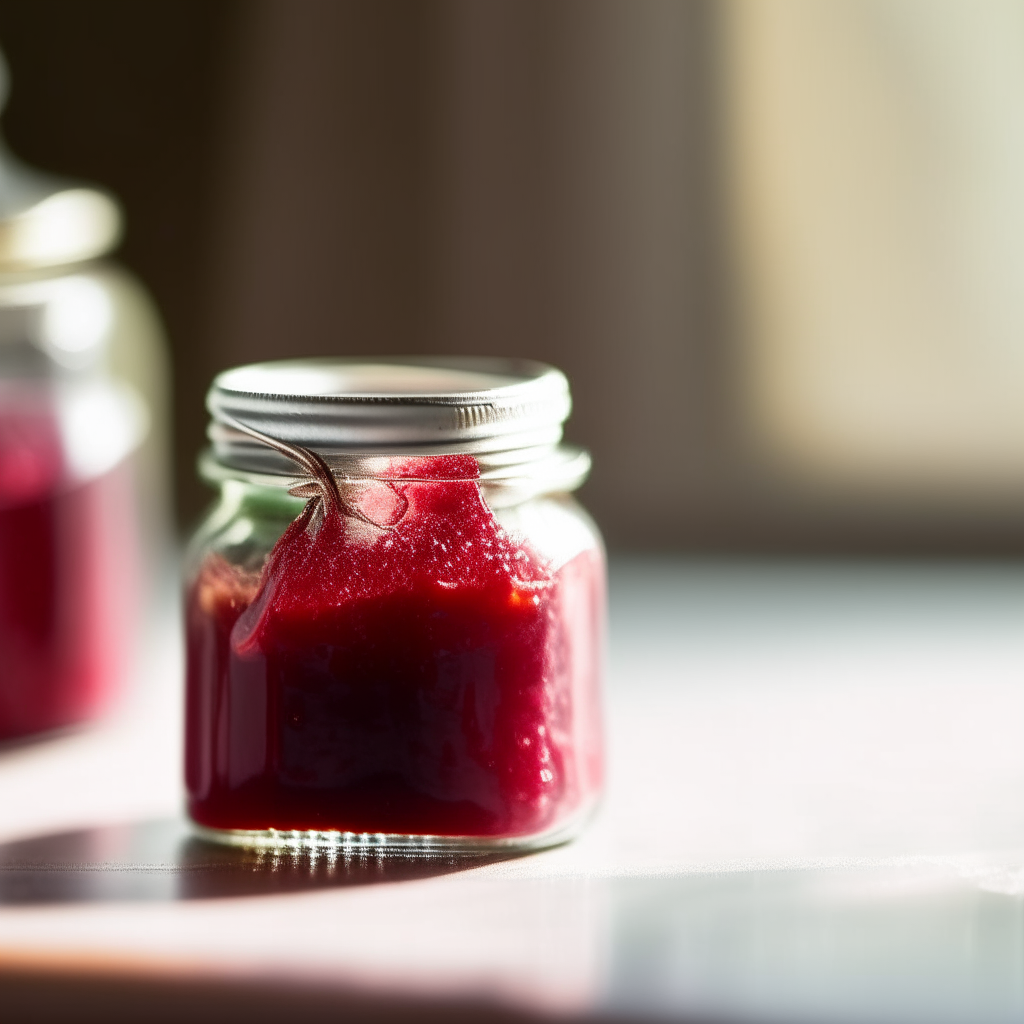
(81, 477)
(410, 655)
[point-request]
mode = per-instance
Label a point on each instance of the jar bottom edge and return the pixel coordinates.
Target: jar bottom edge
(328, 841)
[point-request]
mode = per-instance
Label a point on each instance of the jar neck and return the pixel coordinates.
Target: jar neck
(507, 478)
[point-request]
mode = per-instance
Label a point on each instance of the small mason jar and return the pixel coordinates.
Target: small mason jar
(81, 377)
(395, 611)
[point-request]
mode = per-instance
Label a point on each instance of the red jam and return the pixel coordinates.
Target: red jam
(64, 570)
(427, 675)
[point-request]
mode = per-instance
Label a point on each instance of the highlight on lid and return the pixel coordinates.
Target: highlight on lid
(395, 610)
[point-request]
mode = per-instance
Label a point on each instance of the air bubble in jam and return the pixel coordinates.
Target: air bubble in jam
(427, 675)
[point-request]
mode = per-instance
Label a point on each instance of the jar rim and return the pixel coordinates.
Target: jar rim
(561, 468)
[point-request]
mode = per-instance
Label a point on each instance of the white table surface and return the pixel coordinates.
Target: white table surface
(815, 812)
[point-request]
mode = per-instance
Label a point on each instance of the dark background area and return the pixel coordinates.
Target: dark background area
(463, 176)
(320, 177)
(128, 96)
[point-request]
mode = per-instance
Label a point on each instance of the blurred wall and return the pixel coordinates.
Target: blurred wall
(494, 178)
(875, 160)
(128, 95)
(461, 176)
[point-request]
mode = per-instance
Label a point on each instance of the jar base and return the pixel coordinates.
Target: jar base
(349, 843)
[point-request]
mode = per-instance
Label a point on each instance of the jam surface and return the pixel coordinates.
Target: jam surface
(65, 554)
(410, 668)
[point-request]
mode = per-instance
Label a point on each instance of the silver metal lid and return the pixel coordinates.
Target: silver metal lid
(507, 413)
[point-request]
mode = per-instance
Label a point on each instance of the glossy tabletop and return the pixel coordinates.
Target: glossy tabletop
(815, 813)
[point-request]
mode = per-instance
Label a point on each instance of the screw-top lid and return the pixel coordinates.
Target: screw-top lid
(506, 412)
(47, 221)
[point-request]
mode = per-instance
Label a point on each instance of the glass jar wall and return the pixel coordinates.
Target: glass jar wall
(393, 649)
(69, 515)
(81, 369)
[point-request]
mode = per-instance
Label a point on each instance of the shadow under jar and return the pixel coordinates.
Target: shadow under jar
(395, 611)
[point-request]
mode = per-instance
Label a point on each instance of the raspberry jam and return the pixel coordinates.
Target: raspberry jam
(401, 664)
(66, 564)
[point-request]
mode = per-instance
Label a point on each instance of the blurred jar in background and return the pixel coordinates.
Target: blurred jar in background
(81, 365)
(877, 159)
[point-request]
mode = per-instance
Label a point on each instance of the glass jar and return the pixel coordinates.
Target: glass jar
(395, 610)
(79, 350)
